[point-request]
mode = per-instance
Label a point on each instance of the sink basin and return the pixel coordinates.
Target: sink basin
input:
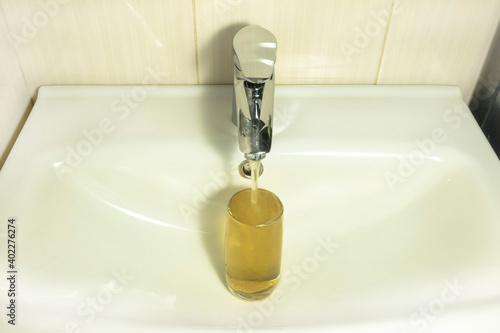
(391, 222)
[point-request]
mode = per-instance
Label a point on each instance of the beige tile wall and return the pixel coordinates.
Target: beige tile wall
(48, 42)
(439, 42)
(314, 38)
(103, 42)
(15, 101)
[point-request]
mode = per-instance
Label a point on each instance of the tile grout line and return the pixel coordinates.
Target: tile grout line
(196, 43)
(389, 20)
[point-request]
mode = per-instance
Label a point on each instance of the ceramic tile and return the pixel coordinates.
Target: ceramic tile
(103, 42)
(15, 100)
(319, 42)
(439, 42)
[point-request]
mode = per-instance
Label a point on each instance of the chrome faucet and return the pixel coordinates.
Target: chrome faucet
(254, 56)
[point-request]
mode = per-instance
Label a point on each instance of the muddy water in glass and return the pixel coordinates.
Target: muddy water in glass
(253, 243)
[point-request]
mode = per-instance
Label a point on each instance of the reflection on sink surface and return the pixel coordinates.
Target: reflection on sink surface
(391, 211)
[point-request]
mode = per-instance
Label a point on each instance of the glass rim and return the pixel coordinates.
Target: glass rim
(281, 208)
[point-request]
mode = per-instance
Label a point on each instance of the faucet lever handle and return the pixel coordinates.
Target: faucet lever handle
(255, 53)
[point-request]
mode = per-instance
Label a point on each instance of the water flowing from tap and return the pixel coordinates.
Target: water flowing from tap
(254, 169)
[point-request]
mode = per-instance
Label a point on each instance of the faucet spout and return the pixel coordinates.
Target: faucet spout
(254, 56)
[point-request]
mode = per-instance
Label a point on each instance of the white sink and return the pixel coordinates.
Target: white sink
(376, 233)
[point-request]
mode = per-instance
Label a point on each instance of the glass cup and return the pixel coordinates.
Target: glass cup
(253, 243)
